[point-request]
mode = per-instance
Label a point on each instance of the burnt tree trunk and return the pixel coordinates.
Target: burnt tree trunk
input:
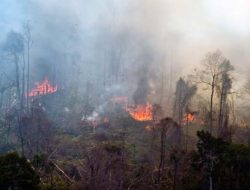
(17, 77)
(162, 157)
(211, 105)
(23, 83)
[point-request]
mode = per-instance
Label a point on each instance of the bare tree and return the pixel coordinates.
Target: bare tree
(14, 46)
(223, 91)
(163, 124)
(183, 94)
(209, 76)
(166, 124)
(28, 42)
(107, 172)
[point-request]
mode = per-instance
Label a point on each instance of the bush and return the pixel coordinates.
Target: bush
(17, 173)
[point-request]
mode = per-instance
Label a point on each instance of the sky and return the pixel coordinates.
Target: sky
(181, 31)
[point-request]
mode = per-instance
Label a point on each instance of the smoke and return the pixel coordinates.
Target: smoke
(125, 42)
(144, 76)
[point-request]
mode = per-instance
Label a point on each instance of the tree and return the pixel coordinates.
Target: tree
(209, 76)
(14, 45)
(223, 165)
(38, 132)
(183, 94)
(28, 42)
(17, 173)
(165, 125)
(107, 172)
(223, 91)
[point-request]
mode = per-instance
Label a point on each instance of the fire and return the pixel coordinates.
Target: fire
(141, 112)
(42, 89)
(188, 118)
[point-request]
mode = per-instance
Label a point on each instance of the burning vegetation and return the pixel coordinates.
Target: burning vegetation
(126, 130)
(141, 112)
(188, 118)
(42, 89)
(110, 110)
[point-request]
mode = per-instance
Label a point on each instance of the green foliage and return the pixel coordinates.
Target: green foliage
(112, 148)
(39, 160)
(228, 164)
(55, 183)
(17, 173)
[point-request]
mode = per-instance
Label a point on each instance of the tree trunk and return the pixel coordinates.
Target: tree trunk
(220, 118)
(23, 83)
(210, 183)
(211, 106)
(19, 103)
(187, 124)
(19, 123)
(28, 72)
(175, 174)
(17, 78)
(162, 157)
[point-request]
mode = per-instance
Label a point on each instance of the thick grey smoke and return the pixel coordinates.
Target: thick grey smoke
(108, 42)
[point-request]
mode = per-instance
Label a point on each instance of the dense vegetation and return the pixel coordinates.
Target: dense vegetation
(99, 103)
(111, 164)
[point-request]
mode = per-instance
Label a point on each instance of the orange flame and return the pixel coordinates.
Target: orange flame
(42, 89)
(188, 118)
(141, 112)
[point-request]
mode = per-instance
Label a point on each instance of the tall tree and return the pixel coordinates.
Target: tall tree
(14, 46)
(28, 42)
(183, 94)
(209, 75)
(223, 91)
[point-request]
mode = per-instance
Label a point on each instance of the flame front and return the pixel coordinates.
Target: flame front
(42, 89)
(141, 112)
(188, 118)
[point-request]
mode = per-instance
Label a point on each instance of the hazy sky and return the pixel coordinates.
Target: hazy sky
(182, 29)
(200, 26)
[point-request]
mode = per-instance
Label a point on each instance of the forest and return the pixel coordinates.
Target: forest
(124, 95)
